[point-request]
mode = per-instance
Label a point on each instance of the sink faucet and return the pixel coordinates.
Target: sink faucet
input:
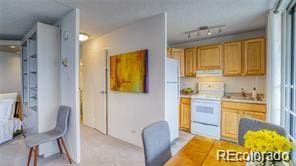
(243, 93)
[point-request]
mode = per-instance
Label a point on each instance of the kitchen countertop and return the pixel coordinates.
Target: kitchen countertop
(182, 95)
(236, 97)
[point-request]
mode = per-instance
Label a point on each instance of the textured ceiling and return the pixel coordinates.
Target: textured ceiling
(18, 16)
(102, 16)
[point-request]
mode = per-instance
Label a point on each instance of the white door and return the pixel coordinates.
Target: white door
(94, 88)
(101, 103)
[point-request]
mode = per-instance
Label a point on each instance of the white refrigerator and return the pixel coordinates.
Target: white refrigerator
(172, 96)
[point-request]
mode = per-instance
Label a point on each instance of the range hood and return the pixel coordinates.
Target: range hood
(209, 73)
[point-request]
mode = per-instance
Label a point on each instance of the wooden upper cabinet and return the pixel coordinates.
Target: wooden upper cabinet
(209, 57)
(233, 58)
(190, 62)
(178, 54)
(254, 57)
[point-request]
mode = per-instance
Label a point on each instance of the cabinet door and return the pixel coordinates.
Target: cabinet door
(254, 57)
(255, 115)
(185, 116)
(178, 54)
(232, 59)
(209, 57)
(230, 121)
(190, 62)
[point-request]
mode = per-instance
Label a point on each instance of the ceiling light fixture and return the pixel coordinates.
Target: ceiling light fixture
(83, 37)
(12, 46)
(209, 30)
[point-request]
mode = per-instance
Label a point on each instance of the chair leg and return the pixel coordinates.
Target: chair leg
(29, 158)
(36, 155)
(59, 144)
(63, 143)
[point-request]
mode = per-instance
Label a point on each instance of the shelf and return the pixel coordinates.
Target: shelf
(34, 108)
(34, 55)
(34, 97)
(33, 88)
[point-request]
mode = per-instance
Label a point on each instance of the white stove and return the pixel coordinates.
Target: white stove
(206, 109)
(207, 97)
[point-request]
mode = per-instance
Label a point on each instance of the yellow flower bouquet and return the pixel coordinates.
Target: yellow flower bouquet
(267, 142)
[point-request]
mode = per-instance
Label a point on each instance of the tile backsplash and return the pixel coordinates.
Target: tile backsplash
(232, 84)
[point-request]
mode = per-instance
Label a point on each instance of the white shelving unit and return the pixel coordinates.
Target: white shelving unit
(40, 79)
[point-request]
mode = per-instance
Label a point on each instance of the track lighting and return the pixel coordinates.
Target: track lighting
(205, 30)
(209, 32)
(189, 36)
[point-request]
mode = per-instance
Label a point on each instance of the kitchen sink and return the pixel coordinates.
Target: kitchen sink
(242, 98)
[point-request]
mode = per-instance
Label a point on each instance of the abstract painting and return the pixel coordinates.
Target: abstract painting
(129, 72)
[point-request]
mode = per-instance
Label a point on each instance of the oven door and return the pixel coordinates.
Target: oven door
(205, 112)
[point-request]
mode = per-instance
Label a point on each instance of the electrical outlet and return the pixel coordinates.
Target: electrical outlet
(134, 131)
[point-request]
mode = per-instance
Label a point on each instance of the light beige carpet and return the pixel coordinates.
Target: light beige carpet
(96, 150)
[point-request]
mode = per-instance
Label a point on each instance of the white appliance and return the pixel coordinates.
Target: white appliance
(208, 73)
(172, 96)
(206, 109)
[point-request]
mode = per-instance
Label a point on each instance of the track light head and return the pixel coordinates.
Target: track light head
(189, 36)
(209, 32)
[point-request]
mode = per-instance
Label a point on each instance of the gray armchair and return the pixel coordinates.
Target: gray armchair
(57, 133)
(156, 141)
(246, 124)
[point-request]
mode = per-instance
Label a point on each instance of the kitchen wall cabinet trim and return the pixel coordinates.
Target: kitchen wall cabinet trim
(190, 62)
(209, 57)
(178, 54)
(254, 56)
(232, 58)
(235, 58)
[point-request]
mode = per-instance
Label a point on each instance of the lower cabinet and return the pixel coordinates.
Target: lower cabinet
(230, 119)
(185, 114)
(232, 112)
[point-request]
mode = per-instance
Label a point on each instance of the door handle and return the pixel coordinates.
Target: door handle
(103, 92)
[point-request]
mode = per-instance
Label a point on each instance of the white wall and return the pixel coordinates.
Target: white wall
(232, 84)
(129, 113)
(70, 79)
(10, 72)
